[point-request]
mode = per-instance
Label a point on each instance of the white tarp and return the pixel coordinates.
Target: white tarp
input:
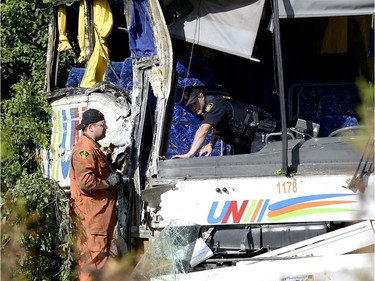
(228, 26)
(231, 26)
(324, 8)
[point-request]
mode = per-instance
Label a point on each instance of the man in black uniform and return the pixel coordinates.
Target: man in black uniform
(232, 121)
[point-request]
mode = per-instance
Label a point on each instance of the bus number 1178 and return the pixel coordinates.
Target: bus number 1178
(287, 187)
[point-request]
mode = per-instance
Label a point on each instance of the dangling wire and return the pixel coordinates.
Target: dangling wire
(106, 54)
(191, 51)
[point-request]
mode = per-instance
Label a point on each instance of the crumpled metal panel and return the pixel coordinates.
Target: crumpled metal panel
(67, 113)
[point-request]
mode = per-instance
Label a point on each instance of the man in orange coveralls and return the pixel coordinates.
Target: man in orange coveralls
(93, 196)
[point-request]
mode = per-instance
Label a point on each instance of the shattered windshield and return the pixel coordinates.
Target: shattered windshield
(169, 254)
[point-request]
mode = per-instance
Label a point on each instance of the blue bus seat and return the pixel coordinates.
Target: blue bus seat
(75, 77)
(336, 111)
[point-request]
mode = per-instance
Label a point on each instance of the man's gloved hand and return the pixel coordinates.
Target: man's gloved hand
(114, 179)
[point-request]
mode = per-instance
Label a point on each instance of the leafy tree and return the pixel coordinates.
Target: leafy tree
(24, 125)
(35, 231)
(35, 238)
(24, 33)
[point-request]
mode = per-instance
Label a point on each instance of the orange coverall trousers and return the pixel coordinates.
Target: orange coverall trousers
(93, 210)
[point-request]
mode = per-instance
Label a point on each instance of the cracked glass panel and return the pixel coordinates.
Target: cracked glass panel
(169, 254)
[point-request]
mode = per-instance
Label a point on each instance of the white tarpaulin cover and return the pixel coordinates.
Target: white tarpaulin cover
(231, 26)
(228, 26)
(324, 8)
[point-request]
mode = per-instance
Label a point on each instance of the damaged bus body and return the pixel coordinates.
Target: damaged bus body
(300, 206)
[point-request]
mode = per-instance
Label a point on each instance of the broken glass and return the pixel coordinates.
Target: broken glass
(169, 254)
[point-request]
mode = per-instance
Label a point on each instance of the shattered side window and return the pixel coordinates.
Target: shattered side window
(169, 254)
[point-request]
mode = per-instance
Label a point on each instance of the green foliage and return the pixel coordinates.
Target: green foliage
(366, 110)
(36, 236)
(24, 125)
(67, 60)
(23, 33)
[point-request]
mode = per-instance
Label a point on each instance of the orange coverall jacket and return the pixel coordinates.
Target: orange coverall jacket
(93, 210)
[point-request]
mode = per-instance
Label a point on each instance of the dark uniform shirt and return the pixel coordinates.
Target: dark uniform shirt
(230, 120)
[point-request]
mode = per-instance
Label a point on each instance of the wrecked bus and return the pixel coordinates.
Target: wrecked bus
(300, 206)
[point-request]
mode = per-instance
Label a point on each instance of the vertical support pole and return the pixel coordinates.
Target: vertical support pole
(89, 29)
(280, 75)
(51, 68)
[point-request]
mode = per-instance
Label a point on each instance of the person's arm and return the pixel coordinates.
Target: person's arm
(200, 136)
(86, 178)
(102, 185)
(207, 149)
(85, 172)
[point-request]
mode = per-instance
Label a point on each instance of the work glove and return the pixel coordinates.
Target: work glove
(114, 179)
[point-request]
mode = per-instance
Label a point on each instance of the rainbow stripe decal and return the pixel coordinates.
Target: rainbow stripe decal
(63, 138)
(307, 205)
(255, 210)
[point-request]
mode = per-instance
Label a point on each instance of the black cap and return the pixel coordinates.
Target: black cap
(90, 116)
(192, 97)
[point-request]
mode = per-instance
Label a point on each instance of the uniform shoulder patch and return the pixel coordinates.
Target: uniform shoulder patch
(84, 154)
(209, 107)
